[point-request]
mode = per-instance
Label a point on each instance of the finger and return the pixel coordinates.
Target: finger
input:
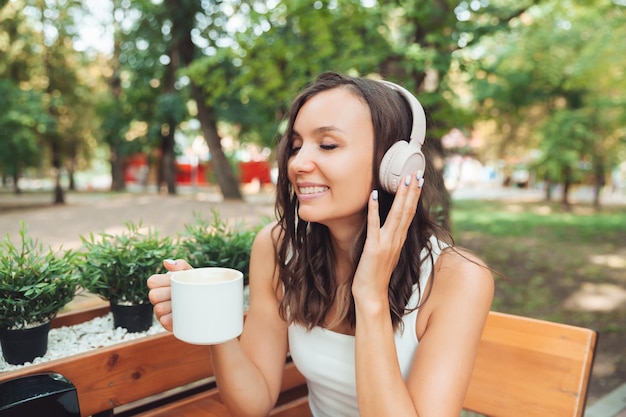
(166, 322)
(158, 281)
(160, 295)
(413, 195)
(176, 265)
(373, 217)
(396, 213)
(163, 309)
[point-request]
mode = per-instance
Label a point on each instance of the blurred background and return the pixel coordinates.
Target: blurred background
(526, 102)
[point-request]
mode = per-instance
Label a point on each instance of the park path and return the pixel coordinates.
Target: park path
(85, 213)
(95, 212)
(61, 226)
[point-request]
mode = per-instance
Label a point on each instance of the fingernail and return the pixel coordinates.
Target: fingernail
(170, 261)
(375, 195)
(420, 183)
(419, 174)
(407, 180)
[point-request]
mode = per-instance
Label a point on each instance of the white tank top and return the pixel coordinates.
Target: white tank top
(326, 358)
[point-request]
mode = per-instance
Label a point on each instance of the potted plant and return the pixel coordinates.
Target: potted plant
(215, 243)
(116, 268)
(35, 283)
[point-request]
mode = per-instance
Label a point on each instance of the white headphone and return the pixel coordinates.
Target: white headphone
(404, 158)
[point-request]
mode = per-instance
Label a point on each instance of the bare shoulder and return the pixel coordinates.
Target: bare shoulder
(461, 273)
(263, 268)
(458, 257)
(266, 238)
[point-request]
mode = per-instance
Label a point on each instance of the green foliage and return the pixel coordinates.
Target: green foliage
(251, 82)
(116, 267)
(551, 84)
(545, 221)
(34, 283)
(543, 253)
(215, 243)
(21, 118)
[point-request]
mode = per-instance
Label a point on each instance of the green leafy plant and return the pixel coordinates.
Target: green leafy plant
(116, 267)
(215, 243)
(35, 283)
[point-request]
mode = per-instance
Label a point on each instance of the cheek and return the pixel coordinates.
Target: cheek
(360, 184)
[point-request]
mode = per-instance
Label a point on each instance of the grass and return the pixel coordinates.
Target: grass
(553, 265)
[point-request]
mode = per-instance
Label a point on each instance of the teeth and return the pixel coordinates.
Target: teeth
(312, 190)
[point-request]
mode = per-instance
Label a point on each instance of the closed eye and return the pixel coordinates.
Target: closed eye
(329, 147)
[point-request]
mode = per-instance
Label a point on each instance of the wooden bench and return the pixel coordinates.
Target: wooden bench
(531, 368)
(524, 367)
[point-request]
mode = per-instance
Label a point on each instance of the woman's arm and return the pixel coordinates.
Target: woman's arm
(449, 330)
(248, 370)
(449, 324)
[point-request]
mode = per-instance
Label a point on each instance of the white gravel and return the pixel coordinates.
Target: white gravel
(99, 332)
(70, 340)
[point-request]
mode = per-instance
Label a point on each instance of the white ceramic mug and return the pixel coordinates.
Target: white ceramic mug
(207, 305)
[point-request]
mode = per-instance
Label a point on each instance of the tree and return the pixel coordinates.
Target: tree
(21, 116)
(183, 51)
(39, 60)
(552, 85)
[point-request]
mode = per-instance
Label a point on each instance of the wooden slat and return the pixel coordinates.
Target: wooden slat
(192, 406)
(291, 377)
(187, 407)
(115, 375)
(200, 405)
(531, 368)
(296, 408)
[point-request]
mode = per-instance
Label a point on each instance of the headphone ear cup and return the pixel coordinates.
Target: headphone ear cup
(400, 160)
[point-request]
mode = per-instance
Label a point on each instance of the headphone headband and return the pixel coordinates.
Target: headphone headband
(418, 133)
(404, 158)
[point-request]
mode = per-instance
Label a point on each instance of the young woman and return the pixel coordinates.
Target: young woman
(380, 311)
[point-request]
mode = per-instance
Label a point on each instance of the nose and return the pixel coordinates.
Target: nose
(303, 160)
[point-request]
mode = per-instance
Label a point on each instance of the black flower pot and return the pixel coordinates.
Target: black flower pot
(24, 345)
(133, 317)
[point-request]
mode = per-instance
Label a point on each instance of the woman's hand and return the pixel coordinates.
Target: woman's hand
(161, 291)
(384, 244)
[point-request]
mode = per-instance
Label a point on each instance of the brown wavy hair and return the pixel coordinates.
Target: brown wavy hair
(304, 253)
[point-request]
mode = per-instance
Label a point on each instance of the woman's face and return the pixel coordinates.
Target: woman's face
(330, 166)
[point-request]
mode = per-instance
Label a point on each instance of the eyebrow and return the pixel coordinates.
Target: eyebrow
(321, 129)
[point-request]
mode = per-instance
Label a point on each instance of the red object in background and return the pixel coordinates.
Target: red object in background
(185, 173)
(260, 170)
(137, 169)
(136, 166)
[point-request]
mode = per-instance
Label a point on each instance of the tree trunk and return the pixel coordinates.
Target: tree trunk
(71, 166)
(600, 181)
(547, 192)
(567, 182)
(547, 196)
(59, 197)
(118, 182)
(168, 161)
(219, 163)
(71, 174)
(16, 186)
(224, 175)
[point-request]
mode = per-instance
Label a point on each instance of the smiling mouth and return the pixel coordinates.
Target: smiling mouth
(311, 190)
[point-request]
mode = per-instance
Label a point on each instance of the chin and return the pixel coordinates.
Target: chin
(311, 215)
